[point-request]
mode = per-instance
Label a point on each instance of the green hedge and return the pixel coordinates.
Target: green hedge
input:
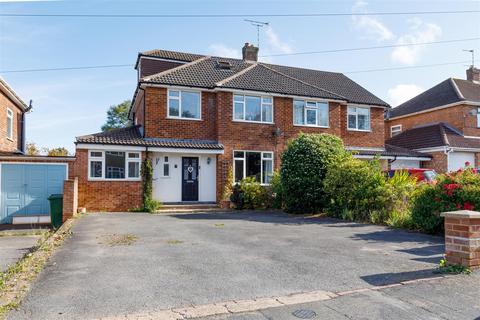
(304, 165)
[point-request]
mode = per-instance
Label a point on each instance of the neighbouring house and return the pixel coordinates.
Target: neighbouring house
(197, 117)
(25, 181)
(443, 121)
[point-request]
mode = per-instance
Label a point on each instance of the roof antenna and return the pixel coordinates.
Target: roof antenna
(258, 24)
(472, 51)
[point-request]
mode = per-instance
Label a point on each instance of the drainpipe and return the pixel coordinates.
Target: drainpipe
(23, 141)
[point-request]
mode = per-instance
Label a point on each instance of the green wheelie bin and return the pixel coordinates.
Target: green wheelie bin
(56, 210)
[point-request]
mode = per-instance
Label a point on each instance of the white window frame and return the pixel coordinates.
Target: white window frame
(478, 117)
(162, 169)
(9, 122)
(316, 108)
(179, 98)
(395, 129)
(244, 160)
(102, 159)
(356, 118)
(262, 104)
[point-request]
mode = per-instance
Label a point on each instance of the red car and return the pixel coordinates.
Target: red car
(422, 175)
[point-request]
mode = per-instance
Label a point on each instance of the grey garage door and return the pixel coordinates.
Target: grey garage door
(26, 187)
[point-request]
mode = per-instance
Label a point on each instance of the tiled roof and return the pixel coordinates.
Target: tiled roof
(394, 151)
(204, 72)
(172, 55)
(131, 136)
(444, 93)
(433, 135)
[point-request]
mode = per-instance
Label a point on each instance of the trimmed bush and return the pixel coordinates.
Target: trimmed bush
(454, 191)
(305, 163)
(250, 194)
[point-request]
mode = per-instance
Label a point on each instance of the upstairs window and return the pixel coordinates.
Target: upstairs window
(394, 130)
(114, 165)
(358, 118)
(9, 124)
(184, 104)
(310, 113)
(253, 108)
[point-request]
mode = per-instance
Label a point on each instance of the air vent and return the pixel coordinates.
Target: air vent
(224, 64)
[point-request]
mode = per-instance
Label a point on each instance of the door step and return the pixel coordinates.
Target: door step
(189, 208)
(33, 219)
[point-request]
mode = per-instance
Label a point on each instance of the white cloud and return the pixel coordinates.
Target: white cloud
(222, 50)
(275, 44)
(373, 27)
(420, 31)
(403, 92)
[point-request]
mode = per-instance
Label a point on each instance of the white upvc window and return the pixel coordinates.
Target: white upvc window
(257, 164)
(358, 118)
(113, 165)
(184, 104)
(478, 117)
(252, 108)
(394, 130)
(9, 124)
(310, 113)
(166, 167)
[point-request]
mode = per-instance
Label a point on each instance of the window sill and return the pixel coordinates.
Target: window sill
(10, 139)
(255, 122)
(311, 126)
(358, 130)
(180, 118)
(118, 180)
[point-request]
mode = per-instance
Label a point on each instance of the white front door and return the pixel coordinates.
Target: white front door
(457, 160)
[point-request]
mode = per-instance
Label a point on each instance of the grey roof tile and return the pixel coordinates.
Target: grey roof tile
(263, 77)
(394, 151)
(172, 55)
(131, 136)
(442, 94)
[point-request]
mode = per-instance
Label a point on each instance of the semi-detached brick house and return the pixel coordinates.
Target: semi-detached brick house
(199, 116)
(443, 121)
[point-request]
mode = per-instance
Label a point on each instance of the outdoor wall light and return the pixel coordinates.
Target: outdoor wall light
(209, 160)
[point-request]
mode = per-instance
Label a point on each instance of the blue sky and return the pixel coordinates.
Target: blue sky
(72, 103)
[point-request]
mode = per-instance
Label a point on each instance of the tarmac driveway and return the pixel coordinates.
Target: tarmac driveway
(126, 263)
(14, 247)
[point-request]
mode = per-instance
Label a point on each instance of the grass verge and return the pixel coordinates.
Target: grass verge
(16, 281)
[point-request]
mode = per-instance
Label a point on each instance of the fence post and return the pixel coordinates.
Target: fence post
(462, 238)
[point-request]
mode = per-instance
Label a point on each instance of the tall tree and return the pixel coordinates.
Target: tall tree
(117, 116)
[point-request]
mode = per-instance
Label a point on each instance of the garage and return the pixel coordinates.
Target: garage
(457, 160)
(25, 188)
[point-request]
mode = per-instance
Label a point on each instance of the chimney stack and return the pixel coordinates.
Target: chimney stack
(250, 52)
(473, 74)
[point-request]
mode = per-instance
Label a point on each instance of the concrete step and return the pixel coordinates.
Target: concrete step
(196, 207)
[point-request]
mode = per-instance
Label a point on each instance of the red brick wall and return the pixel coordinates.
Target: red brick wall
(104, 195)
(157, 124)
(6, 144)
(439, 162)
(453, 115)
(70, 198)
(139, 112)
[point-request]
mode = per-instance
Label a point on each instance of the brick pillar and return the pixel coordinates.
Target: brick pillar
(462, 238)
(70, 198)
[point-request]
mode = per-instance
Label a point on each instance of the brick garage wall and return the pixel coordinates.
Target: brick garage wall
(158, 126)
(6, 144)
(439, 162)
(452, 115)
(105, 195)
(70, 198)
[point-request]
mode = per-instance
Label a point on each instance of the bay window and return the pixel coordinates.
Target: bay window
(253, 164)
(253, 108)
(310, 113)
(358, 118)
(114, 165)
(184, 104)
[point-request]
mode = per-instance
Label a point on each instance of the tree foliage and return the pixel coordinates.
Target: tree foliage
(117, 116)
(56, 152)
(32, 149)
